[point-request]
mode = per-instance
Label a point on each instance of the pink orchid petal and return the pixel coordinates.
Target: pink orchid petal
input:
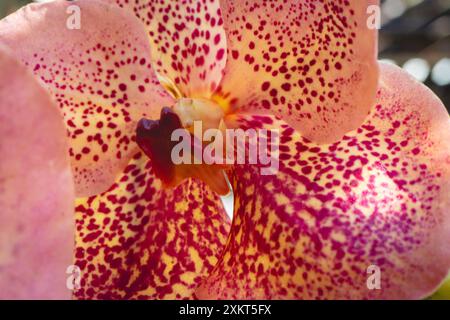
(187, 40)
(313, 63)
(140, 241)
(100, 75)
(36, 189)
(379, 197)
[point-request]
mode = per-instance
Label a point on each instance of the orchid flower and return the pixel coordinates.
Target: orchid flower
(364, 150)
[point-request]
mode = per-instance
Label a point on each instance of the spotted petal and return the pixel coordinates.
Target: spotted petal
(311, 62)
(95, 60)
(138, 241)
(188, 42)
(36, 189)
(365, 217)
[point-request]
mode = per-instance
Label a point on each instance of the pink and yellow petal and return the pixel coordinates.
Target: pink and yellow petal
(139, 241)
(99, 71)
(36, 189)
(187, 40)
(313, 63)
(336, 214)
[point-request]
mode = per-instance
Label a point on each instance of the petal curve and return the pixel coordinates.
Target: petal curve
(100, 75)
(36, 189)
(379, 197)
(313, 63)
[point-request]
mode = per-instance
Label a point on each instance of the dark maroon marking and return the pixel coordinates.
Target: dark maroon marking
(153, 137)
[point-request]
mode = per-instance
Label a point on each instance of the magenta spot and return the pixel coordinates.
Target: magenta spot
(199, 61)
(217, 39)
(265, 86)
(220, 54)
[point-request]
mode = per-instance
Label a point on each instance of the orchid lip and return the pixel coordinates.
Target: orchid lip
(154, 137)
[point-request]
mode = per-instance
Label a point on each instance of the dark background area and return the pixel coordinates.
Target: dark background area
(419, 30)
(415, 34)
